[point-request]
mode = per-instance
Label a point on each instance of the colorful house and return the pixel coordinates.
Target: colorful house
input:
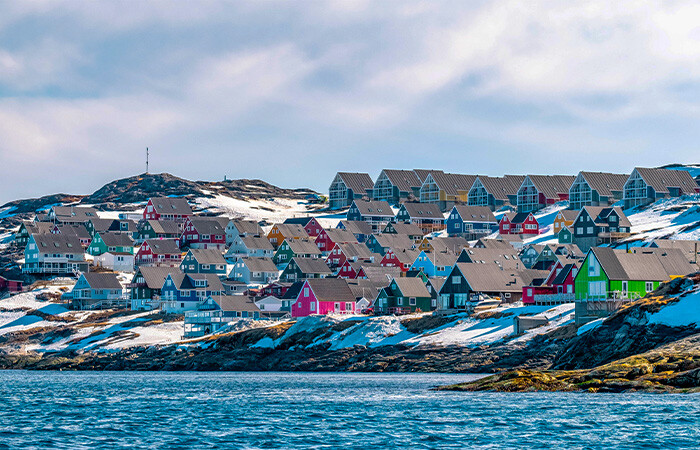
(157, 229)
(469, 283)
(54, 254)
(146, 285)
(445, 189)
(518, 223)
(256, 271)
(453, 244)
(565, 236)
(403, 296)
(401, 258)
(539, 191)
(116, 261)
(159, 252)
(556, 289)
(361, 230)
(324, 296)
(645, 185)
(295, 248)
(216, 312)
(257, 247)
(71, 215)
(204, 233)
(305, 268)
(427, 216)
(288, 231)
(203, 261)
(409, 229)
(26, 229)
(106, 241)
(381, 243)
(434, 264)
(596, 189)
(97, 225)
(564, 219)
(167, 208)
(182, 292)
(393, 185)
(495, 192)
(471, 222)
(376, 213)
(595, 225)
(346, 187)
(310, 224)
(353, 252)
(242, 228)
(327, 239)
(97, 290)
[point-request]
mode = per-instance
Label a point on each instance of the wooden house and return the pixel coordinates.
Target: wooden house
(409, 229)
(646, 185)
(214, 314)
(146, 284)
(327, 239)
(97, 225)
(27, 228)
(564, 219)
(54, 254)
(471, 222)
(596, 189)
(305, 268)
(71, 215)
(376, 213)
(310, 224)
(257, 247)
(540, 191)
(361, 230)
(403, 296)
(254, 271)
(183, 291)
(394, 186)
(453, 244)
(565, 236)
(427, 216)
(114, 242)
(495, 192)
(77, 230)
(595, 225)
(501, 257)
(204, 233)
(295, 248)
(349, 251)
(556, 289)
(530, 253)
(434, 264)
(97, 290)
(286, 231)
(203, 261)
(159, 252)
(445, 189)
(242, 228)
(324, 296)
(381, 243)
(167, 208)
(116, 261)
(401, 258)
(157, 229)
(551, 253)
(348, 186)
(518, 223)
(493, 243)
(9, 285)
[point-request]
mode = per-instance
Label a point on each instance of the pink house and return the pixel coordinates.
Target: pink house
(324, 296)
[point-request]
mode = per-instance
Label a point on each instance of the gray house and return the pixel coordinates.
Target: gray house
(251, 270)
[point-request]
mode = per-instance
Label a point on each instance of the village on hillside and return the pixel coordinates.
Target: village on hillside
(413, 241)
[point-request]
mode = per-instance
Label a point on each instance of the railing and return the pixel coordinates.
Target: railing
(613, 235)
(565, 297)
(399, 310)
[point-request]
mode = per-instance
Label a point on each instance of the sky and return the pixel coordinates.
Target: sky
(292, 92)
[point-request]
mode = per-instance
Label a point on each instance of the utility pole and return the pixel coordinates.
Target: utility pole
(147, 160)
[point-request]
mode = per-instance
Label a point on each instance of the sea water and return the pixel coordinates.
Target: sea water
(187, 410)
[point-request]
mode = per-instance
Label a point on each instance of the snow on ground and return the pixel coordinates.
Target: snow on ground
(271, 210)
(682, 313)
(666, 216)
(585, 328)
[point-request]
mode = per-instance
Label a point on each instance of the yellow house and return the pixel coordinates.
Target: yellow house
(289, 231)
(564, 219)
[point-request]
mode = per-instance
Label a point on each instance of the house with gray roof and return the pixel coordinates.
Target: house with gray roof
(254, 271)
(646, 185)
(596, 189)
(495, 192)
(348, 186)
(540, 191)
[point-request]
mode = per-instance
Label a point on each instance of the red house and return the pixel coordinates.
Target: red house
(167, 208)
(310, 224)
(324, 296)
(10, 285)
(348, 252)
(159, 252)
(557, 288)
(403, 259)
(518, 223)
(276, 289)
(327, 239)
(204, 232)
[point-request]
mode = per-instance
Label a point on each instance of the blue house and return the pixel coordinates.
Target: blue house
(98, 290)
(375, 213)
(434, 264)
(471, 222)
(361, 230)
(182, 292)
(203, 261)
(215, 312)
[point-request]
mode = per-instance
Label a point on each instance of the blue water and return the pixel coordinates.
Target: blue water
(74, 410)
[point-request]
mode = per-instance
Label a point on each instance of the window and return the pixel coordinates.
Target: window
(589, 230)
(312, 306)
(348, 306)
(593, 267)
(456, 279)
(399, 301)
(649, 286)
(306, 292)
(412, 301)
(529, 292)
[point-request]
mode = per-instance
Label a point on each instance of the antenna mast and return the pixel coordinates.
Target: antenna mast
(146, 160)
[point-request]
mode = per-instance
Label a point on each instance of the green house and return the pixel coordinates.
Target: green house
(295, 248)
(111, 242)
(403, 296)
(565, 236)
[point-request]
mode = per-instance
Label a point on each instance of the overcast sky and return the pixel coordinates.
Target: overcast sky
(291, 92)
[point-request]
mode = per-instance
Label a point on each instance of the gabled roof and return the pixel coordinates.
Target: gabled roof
(165, 227)
(411, 287)
(569, 215)
(494, 243)
(303, 221)
(561, 278)
(102, 280)
(37, 227)
(213, 281)
(688, 246)
(357, 226)
(605, 183)
(358, 182)
(374, 208)
(442, 258)
(674, 260)
(599, 213)
(331, 290)
(552, 185)
(302, 247)
(404, 180)
(292, 230)
(490, 278)
(256, 243)
(408, 229)
(355, 250)
(449, 244)
(662, 179)
(74, 213)
(452, 183)
(112, 239)
(208, 256)
(259, 264)
(394, 241)
(475, 213)
(77, 230)
(503, 257)
(171, 205)
(520, 217)
(417, 210)
(155, 276)
(312, 265)
(247, 227)
(502, 187)
(163, 246)
(437, 282)
(235, 303)
(405, 256)
(338, 235)
(380, 273)
(620, 265)
(208, 225)
(422, 174)
(365, 288)
(60, 243)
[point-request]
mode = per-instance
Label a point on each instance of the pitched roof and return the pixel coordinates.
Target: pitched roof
(404, 180)
(475, 213)
(520, 217)
(155, 276)
(74, 213)
(331, 290)
(357, 226)
(303, 221)
(687, 246)
(374, 208)
(506, 258)
(599, 213)
(408, 229)
(60, 243)
(235, 303)
(303, 247)
(502, 187)
(164, 227)
(675, 261)
(422, 174)
(552, 185)
(452, 183)
(338, 235)
(365, 288)
(77, 230)
(442, 258)
(312, 265)
(37, 227)
(112, 239)
(355, 250)
(292, 230)
(569, 215)
(259, 264)
(494, 243)
(491, 278)
(208, 256)
(102, 280)
(394, 241)
(163, 246)
(171, 205)
(257, 243)
(605, 183)
(405, 256)
(213, 281)
(662, 179)
(449, 244)
(417, 210)
(358, 182)
(412, 287)
(247, 227)
(650, 266)
(208, 225)
(380, 273)
(563, 273)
